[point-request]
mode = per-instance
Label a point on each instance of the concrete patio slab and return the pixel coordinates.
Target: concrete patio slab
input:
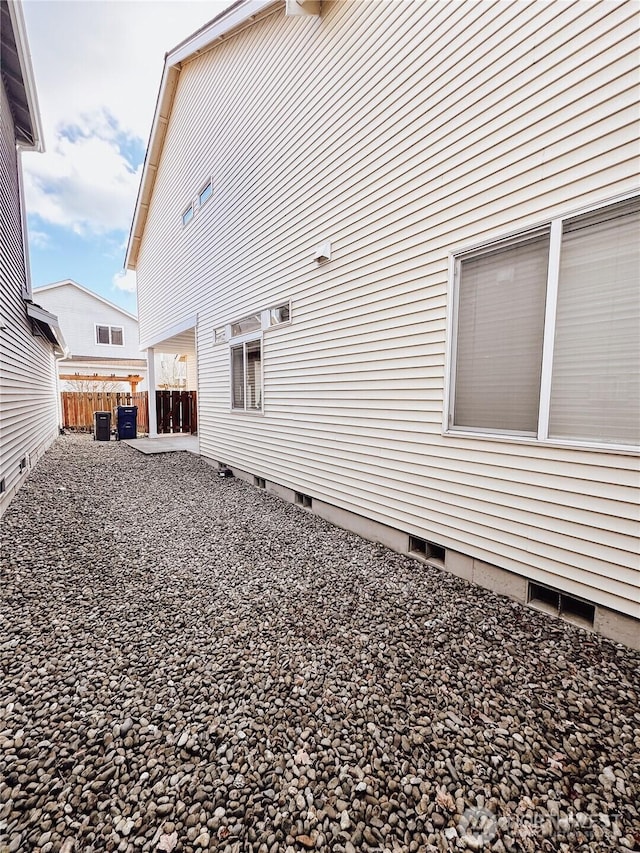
(165, 444)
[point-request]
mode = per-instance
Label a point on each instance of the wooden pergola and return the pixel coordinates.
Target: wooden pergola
(132, 378)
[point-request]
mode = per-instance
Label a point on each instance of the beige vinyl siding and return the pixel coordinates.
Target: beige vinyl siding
(401, 132)
(28, 407)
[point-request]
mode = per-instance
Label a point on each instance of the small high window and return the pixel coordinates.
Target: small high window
(205, 193)
(187, 216)
(110, 335)
(279, 314)
(249, 324)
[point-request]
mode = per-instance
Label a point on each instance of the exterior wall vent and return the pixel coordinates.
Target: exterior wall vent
(260, 482)
(303, 500)
(560, 604)
(426, 550)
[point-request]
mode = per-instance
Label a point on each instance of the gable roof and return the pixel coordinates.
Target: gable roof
(17, 75)
(239, 13)
(68, 281)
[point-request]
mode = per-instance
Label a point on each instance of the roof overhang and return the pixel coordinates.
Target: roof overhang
(47, 324)
(239, 13)
(17, 73)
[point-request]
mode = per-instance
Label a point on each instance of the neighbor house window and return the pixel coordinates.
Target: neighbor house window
(113, 335)
(187, 216)
(546, 341)
(246, 375)
(205, 193)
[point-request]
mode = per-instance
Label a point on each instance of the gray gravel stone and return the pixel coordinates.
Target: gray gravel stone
(190, 663)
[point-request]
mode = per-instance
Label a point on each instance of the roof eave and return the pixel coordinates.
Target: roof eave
(28, 78)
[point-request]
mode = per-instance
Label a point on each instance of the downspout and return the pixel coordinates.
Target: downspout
(66, 354)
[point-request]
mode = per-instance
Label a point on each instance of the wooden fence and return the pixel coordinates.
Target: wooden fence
(176, 411)
(78, 407)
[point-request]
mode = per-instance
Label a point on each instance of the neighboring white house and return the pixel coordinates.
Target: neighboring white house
(402, 239)
(30, 339)
(102, 339)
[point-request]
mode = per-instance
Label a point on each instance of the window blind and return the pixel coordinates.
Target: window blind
(595, 388)
(500, 326)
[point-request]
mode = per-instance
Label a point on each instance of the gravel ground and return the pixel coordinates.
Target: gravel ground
(191, 664)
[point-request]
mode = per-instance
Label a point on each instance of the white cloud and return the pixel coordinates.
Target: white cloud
(98, 66)
(84, 184)
(39, 239)
(125, 280)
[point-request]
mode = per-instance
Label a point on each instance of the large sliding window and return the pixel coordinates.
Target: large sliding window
(547, 332)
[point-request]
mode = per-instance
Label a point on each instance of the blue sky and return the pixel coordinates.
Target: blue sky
(97, 66)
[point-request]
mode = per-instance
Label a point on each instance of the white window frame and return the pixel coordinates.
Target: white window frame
(554, 227)
(190, 207)
(243, 340)
(208, 183)
(110, 328)
(257, 334)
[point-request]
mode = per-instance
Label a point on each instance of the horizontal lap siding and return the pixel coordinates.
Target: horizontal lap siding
(401, 132)
(28, 409)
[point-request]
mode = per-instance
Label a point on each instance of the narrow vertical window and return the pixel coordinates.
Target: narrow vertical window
(237, 376)
(253, 350)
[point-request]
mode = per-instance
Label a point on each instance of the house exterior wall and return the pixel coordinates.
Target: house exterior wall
(28, 398)
(401, 132)
(79, 313)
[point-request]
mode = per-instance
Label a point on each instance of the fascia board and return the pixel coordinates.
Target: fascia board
(220, 26)
(28, 78)
(166, 94)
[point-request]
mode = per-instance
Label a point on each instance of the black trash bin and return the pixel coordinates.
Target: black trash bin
(101, 426)
(126, 422)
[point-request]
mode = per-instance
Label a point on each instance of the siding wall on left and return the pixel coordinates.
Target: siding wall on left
(28, 391)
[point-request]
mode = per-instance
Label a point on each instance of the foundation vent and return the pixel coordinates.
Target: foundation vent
(560, 604)
(303, 500)
(426, 550)
(260, 482)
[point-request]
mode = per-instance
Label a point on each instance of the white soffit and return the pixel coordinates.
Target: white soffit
(171, 332)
